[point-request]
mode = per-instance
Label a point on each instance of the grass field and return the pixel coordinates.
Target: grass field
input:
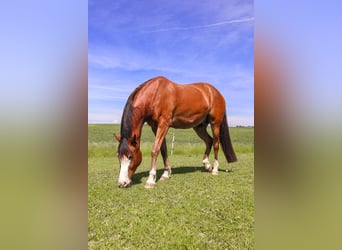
(192, 210)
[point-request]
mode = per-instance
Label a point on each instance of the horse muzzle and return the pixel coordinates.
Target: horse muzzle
(124, 183)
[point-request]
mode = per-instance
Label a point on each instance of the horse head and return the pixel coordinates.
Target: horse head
(130, 157)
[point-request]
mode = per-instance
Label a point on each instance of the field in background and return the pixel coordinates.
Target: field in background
(192, 210)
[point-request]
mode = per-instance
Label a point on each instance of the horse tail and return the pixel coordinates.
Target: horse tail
(225, 141)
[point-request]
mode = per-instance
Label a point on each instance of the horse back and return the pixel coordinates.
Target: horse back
(183, 105)
(180, 105)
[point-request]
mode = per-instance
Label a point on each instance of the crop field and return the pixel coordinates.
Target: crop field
(192, 210)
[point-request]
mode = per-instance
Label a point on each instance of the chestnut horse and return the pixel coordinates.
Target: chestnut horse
(163, 104)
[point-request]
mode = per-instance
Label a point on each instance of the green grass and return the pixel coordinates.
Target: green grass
(192, 210)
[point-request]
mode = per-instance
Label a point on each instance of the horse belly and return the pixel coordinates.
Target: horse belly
(188, 120)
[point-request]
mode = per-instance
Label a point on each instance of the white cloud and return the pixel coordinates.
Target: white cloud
(240, 121)
(104, 61)
(210, 25)
(104, 118)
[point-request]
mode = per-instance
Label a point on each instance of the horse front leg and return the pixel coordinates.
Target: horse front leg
(160, 136)
(167, 167)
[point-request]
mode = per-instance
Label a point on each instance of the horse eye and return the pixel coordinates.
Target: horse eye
(130, 157)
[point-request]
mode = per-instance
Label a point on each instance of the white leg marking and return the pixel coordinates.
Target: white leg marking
(123, 177)
(215, 170)
(152, 177)
(206, 163)
(166, 175)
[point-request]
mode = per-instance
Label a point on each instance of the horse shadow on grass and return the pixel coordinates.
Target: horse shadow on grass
(137, 178)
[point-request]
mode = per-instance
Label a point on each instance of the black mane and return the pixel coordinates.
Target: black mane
(128, 113)
(126, 120)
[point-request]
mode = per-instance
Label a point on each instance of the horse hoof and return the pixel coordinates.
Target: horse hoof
(150, 185)
(214, 172)
(164, 178)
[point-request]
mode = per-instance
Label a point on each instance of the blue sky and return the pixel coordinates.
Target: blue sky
(185, 41)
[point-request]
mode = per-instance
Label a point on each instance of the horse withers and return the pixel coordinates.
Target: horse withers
(164, 104)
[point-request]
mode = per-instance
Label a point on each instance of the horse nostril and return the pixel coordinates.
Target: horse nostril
(123, 185)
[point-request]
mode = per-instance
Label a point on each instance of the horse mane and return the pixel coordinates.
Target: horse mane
(127, 115)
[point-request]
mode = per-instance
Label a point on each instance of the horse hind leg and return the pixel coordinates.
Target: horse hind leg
(216, 144)
(167, 167)
(201, 131)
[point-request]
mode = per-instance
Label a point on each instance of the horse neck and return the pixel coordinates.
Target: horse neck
(139, 115)
(138, 123)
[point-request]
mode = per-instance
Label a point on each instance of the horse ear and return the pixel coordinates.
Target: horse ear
(117, 137)
(134, 141)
